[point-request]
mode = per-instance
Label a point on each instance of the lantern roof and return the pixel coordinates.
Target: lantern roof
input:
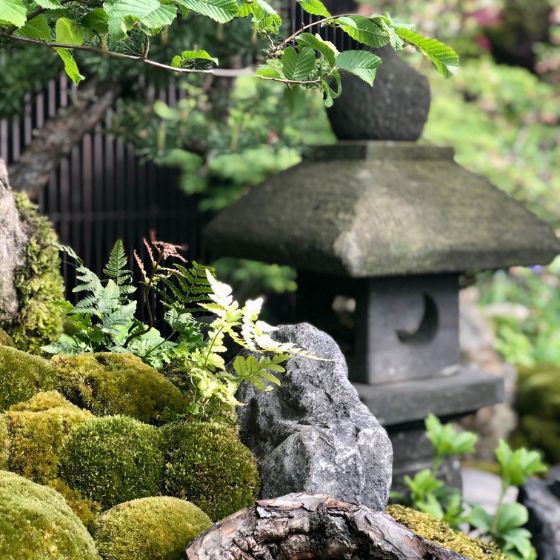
(379, 208)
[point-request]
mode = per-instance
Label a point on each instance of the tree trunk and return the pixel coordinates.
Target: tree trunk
(13, 244)
(301, 526)
(59, 134)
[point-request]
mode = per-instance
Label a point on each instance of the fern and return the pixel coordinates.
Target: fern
(116, 270)
(257, 370)
(187, 287)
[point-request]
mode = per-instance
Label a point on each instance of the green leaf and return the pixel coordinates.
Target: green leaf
(360, 63)
(49, 4)
(123, 14)
(448, 441)
(480, 519)
(314, 7)
(97, 21)
(37, 28)
(67, 32)
(298, 65)
(198, 55)
(516, 466)
(272, 69)
(363, 30)
(519, 540)
(443, 57)
(13, 12)
(221, 11)
(326, 48)
(511, 516)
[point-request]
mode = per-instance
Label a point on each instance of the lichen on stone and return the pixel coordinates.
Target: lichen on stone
(112, 384)
(157, 528)
(207, 464)
(39, 284)
(432, 529)
(36, 523)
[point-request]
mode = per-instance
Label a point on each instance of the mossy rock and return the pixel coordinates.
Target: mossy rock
(22, 375)
(6, 339)
(159, 528)
(112, 384)
(36, 431)
(206, 464)
(37, 524)
(39, 284)
(538, 406)
(87, 510)
(432, 529)
(112, 460)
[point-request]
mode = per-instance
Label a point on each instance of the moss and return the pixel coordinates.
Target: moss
(538, 406)
(430, 528)
(6, 339)
(206, 464)
(37, 524)
(4, 444)
(158, 528)
(111, 384)
(112, 460)
(39, 284)
(87, 510)
(22, 376)
(36, 432)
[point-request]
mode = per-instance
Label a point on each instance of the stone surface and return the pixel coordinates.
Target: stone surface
(381, 209)
(395, 108)
(13, 243)
(543, 502)
(313, 434)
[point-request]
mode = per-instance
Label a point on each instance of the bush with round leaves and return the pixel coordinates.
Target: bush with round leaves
(158, 528)
(206, 464)
(22, 376)
(110, 383)
(112, 460)
(36, 523)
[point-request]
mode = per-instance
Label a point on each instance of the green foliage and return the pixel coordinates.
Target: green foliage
(159, 528)
(22, 376)
(429, 494)
(112, 384)
(6, 339)
(36, 430)
(428, 527)
(104, 30)
(206, 464)
(35, 522)
(112, 460)
(39, 283)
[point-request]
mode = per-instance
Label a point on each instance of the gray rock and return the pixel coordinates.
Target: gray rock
(313, 434)
(13, 246)
(396, 108)
(541, 497)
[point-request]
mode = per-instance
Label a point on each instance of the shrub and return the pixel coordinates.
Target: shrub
(22, 376)
(36, 523)
(5, 339)
(432, 529)
(159, 528)
(39, 283)
(206, 464)
(112, 460)
(112, 384)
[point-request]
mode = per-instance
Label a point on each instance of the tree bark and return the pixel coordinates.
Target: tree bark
(59, 134)
(302, 526)
(13, 244)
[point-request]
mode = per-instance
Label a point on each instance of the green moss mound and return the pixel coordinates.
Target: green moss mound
(22, 375)
(6, 339)
(159, 528)
(39, 284)
(538, 406)
(36, 524)
(112, 384)
(112, 460)
(206, 464)
(430, 528)
(36, 431)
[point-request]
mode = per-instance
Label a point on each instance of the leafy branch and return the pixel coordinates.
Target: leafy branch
(302, 59)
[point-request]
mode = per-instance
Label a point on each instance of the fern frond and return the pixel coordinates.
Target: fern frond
(116, 270)
(260, 371)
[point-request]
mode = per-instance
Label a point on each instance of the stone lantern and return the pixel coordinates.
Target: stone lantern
(388, 225)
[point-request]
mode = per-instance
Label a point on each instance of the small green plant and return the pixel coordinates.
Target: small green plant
(104, 320)
(427, 493)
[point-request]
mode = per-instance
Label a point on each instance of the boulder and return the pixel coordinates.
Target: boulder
(313, 434)
(542, 499)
